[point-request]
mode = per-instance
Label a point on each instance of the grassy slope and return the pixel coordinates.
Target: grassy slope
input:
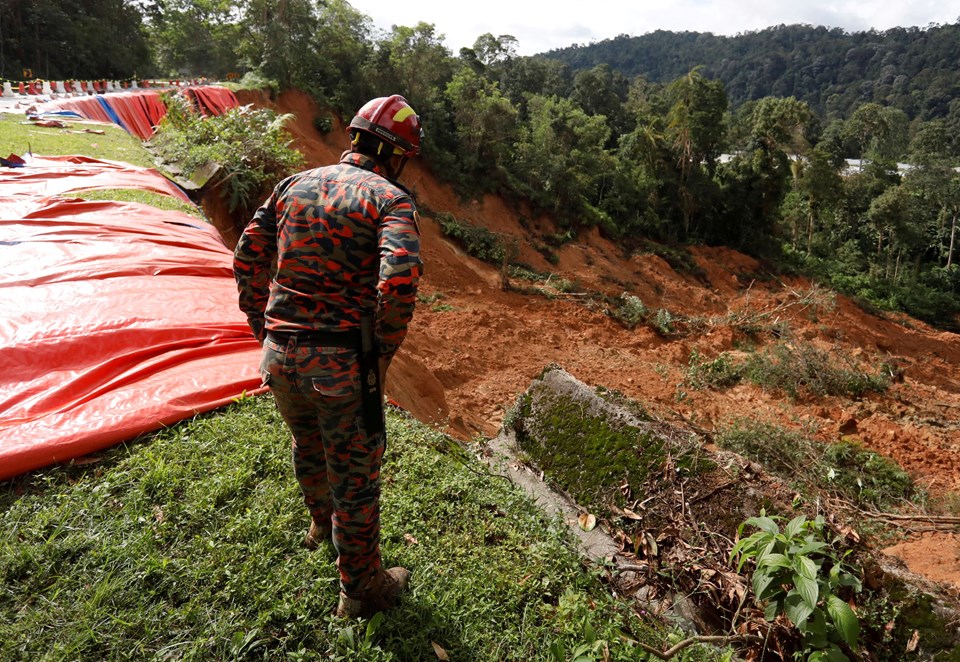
(186, 545)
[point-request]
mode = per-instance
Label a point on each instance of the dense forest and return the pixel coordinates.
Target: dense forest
(833, 71)
(752, 155)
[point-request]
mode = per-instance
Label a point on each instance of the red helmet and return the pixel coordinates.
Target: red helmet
(392, 119)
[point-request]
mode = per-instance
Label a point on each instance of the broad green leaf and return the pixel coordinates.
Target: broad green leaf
(805, 567)
(771, 610)
(761, 581)
(847, 579)
(795, 526)
(373, 625)
(589, 633)
(797, 609)
(816, 629)
(764, 523)
(743, 559)
(769, 547)
(844, 620)
(834, 654)
(811, 546)
(556, 649)
(773, 561)
(807, 589)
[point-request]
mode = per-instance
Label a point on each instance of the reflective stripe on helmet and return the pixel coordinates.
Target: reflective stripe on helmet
(366, 125)
(404, 113)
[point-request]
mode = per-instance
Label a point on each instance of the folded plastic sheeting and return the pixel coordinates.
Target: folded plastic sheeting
(211, 99)
(117, 319)
(140, 112)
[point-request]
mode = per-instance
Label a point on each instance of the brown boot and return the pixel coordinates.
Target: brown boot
(316, 535)
(379, 594)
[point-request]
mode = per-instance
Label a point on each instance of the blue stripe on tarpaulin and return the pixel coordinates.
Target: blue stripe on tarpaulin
(111, 114)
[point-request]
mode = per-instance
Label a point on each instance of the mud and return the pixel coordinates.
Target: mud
(475, 347)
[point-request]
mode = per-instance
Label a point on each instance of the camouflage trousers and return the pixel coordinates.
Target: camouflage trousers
(317, 391)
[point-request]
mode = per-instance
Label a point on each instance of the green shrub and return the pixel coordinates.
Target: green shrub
(250, 147)
(798, 574)
(476, 240)
(721, 372)
(678, 257)
(866, 477)
(323, 124)
(664, 321)
(845, 468)
(792, 368)
(787, 453)
(628, 310)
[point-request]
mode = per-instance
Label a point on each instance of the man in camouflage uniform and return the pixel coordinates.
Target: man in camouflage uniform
(329, 261)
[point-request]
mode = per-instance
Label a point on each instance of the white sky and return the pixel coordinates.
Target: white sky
(540, 26)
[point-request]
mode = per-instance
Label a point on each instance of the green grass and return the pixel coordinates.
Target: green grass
(157, 200)
(186, 545)
(115, 144)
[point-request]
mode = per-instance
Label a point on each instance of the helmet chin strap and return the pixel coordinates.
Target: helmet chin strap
(395, 167)
(392, 165)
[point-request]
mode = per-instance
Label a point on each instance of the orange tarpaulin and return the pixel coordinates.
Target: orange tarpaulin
(52, 175)
(117, 318)
(139, 112)
(212, 100)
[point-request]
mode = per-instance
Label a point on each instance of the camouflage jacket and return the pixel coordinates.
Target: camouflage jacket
(329, 245)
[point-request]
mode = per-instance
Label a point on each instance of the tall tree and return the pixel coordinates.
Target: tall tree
(602, 91)
(696, 132)
(278, 39)
(343, 45)
(878, 133)
(194, 37)
(561, 158)
(486, 122)
(420, 64)
(57, 39)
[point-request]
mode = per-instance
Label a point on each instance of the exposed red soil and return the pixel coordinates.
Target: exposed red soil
(465, 362)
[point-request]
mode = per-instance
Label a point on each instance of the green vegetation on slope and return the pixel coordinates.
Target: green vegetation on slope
(186, 544)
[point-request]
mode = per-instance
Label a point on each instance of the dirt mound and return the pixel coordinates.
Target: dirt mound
(473, 347)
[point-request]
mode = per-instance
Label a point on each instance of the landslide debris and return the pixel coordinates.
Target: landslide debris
(672, 505)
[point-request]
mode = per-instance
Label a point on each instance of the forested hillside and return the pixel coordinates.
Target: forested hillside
(748, 150)
(910, 68)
